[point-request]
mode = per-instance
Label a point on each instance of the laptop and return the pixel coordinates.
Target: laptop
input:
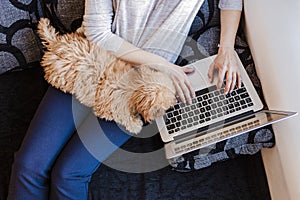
(213, 115)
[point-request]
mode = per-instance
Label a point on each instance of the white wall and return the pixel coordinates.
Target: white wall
(273, 32)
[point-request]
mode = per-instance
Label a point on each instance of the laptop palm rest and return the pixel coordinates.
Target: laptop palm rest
(217, 133)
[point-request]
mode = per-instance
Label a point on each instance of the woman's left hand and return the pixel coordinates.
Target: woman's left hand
(226, 64)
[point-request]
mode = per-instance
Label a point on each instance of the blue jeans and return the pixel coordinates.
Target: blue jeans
(53, 162)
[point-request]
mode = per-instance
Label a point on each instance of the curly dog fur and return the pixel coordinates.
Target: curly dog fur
(116, 90)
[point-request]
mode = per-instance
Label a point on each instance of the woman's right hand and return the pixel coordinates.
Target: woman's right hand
(137, 56)
(178, 75)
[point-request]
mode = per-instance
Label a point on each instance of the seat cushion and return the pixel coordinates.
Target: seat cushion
(18, 43)
(65, 15)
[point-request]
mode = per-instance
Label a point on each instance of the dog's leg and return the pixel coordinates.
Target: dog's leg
(125, 114)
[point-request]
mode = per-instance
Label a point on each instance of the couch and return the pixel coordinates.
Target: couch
(233, 169)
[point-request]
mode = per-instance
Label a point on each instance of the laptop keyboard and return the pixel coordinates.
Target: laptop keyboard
(208, 104)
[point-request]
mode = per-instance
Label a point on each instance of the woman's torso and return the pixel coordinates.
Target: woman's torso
(158, 26)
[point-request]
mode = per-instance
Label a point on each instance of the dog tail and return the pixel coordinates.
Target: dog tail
(47, 32)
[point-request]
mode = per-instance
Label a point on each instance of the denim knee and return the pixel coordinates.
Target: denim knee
(68, 183)
(28, 183)
(30, 165)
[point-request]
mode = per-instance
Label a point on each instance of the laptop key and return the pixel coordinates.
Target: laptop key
(171, 126)
(207, 114)
(208, 108)
(196, 118)
(167, 121)
(202, 110)
(248, 100)
(175, 113)
(178, 118)
(241, 90)
(213, 112)
(244, 106)
(191, 114)
(242, 102)
(244, 95)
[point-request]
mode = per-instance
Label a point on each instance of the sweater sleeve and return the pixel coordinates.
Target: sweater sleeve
(97, 23)
(231, 4)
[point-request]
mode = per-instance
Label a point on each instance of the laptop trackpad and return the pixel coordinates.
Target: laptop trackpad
(199, 78)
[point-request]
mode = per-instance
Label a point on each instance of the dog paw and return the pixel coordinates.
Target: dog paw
(134, 126)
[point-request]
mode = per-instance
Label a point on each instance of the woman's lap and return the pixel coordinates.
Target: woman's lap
(52, 147)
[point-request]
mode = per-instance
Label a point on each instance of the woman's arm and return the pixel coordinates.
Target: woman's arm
(226, 61)
(97, 22)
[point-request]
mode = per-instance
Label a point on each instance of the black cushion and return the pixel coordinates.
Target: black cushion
(19, 47)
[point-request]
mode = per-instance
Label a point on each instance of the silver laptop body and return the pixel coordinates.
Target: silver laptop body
(213, 116)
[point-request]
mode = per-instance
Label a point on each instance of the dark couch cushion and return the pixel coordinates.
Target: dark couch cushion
(20, 94)
(65, 15)
(18, 43)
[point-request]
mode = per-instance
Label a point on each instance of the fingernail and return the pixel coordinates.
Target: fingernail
(192, 70)
(189, 101)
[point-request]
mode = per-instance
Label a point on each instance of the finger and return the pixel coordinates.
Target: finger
(179, 92)
(221, 77)
(185, 92)
(210, 73)
(187, 82)
(239, 80)
(190, 88)
(228, 81)
(233, 83)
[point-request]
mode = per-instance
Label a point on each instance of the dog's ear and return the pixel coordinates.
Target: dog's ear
(80, 32)
(155, 111)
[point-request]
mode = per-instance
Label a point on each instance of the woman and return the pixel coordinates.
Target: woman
(52, 162)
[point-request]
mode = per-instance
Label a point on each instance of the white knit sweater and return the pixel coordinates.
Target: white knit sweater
(157, 26)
